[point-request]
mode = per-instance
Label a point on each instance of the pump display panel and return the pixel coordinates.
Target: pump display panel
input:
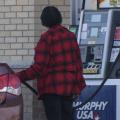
(93, 39)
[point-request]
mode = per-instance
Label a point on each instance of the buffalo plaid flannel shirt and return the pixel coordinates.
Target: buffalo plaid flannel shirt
(57, 63)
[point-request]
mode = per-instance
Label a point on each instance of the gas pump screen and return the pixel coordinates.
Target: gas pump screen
(96, 18)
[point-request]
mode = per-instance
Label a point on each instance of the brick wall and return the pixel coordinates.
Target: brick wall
(17, 39)
(16, 30)
(20, 29)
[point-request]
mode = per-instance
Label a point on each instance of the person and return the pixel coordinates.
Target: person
(57, 67)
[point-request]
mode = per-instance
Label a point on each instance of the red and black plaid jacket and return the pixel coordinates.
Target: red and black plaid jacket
(57, 63)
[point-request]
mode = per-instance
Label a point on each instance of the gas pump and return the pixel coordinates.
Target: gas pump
(99, 42)
(11, 101)
(94, 42)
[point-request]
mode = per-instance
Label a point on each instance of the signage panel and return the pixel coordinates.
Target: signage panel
(101, 107)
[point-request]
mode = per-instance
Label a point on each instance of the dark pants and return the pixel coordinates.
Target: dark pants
(58, 107)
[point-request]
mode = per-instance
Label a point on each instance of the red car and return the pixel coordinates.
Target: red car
(11, 101)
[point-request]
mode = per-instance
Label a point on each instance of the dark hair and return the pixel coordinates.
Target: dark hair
(50, 16)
